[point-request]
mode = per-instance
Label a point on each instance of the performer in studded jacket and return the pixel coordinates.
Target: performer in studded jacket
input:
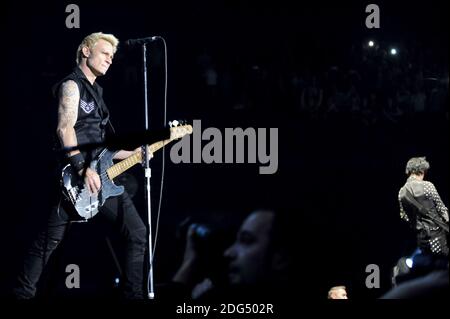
(422, 207)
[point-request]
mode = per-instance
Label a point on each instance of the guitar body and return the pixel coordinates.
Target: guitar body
(85, 204)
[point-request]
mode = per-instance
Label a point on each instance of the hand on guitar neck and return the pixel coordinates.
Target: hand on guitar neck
(92, 179)
(99, 176)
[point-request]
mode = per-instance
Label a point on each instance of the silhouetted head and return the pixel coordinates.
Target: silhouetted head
(260, 253)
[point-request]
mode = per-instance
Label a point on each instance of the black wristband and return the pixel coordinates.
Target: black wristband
(77, 161)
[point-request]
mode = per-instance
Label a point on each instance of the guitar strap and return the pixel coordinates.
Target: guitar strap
(422, 210)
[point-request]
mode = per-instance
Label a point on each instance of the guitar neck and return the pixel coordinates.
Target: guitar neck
(134, 159)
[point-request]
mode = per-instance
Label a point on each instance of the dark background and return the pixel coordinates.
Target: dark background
(339, 171)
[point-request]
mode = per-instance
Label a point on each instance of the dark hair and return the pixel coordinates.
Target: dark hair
(417, 165)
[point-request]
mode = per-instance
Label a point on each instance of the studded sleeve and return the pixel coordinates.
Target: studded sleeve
(402, 210)
(432, 194)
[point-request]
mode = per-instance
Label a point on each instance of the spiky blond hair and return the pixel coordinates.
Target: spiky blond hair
(92, 39)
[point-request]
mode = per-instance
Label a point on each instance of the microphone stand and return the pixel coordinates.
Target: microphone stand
(147, 170)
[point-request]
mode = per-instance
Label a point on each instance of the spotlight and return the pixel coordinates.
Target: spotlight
(401, 270)
(371, 43)
(394, 51)
(409, 262)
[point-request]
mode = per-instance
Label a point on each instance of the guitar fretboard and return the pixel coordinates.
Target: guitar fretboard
(134, 159)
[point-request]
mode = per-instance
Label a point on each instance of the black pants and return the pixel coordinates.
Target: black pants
(118, 210)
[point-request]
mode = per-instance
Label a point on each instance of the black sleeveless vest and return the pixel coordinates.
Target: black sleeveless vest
(93, 115)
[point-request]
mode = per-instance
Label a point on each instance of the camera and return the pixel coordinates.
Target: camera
(209, 241)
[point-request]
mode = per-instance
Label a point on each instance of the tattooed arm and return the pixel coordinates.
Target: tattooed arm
(69, 99)
(123, 154)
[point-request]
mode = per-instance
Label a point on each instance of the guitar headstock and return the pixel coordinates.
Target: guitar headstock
(178, 129)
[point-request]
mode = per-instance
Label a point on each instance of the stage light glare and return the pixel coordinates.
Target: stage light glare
(409, 262)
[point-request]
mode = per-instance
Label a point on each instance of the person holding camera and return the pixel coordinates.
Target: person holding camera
(257, 265)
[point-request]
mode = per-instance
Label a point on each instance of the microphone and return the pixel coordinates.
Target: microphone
(133, 42)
